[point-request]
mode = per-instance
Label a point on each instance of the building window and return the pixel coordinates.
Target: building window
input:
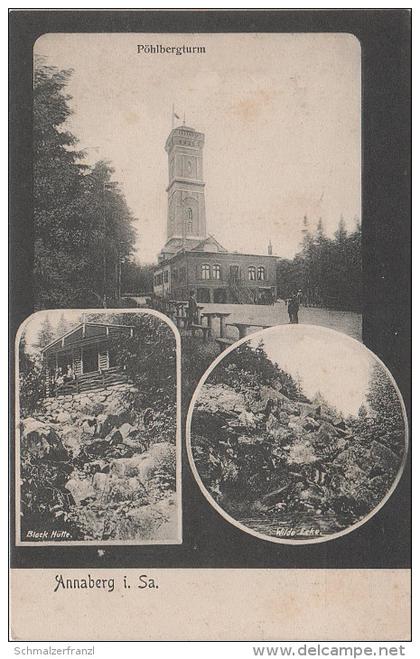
(261, 273)
(174, 275)
(205, 271)
(252, 273)
(234, 272)
(189, 216)
(182, 274)
(166, 276)
(216, 271)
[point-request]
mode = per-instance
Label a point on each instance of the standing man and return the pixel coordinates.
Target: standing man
(192, 310)
(293, 309)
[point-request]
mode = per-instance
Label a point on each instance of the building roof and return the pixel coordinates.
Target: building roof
(210, 241)
(84, 333)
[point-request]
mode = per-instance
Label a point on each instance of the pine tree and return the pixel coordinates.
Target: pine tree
(46, 333)
(62, 326)
(388, 427)
(362, 412)
(83, 228)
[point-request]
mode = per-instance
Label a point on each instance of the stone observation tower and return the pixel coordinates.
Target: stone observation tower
(186, 222)
(192, 259)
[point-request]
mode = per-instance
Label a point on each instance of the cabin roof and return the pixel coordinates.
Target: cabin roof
(84, 333)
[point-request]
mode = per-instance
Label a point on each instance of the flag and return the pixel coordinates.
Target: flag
(176, 116)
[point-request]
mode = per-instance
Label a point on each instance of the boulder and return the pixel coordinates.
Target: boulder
(159, 457)
(310, 424)
(306, 409)
(326, 433)
(120, 491)
(71, 438)
(301, 452)
(247, 419)
(277, 429)
(96, 466)
(119, 451)
(87, 428)
(134, 484)
(41, 442)
(127, 467)
(102, 483)
(137, 443)
(163, 454)
(125, 430)
(219, 398)
(354, 462)
(80, 489)
(109, 422)
(96, 446)
(63, 417)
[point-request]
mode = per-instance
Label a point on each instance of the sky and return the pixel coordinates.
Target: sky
(280, 114)
(325, 361)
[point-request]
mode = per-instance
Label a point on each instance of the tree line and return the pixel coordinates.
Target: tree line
(83, 228)
(327, 270)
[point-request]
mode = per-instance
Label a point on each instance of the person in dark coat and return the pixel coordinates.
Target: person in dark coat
(192, 310)
(293, 309)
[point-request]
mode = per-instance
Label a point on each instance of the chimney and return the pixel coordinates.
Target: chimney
(270, 249)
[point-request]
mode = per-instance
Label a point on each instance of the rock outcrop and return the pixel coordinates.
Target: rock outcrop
(99, 472)
(262, 454)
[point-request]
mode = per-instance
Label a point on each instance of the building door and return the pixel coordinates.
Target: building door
(220, 295)
(90, 359)
(203, 295)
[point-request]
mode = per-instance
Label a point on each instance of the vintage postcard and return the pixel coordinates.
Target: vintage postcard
(212, 328)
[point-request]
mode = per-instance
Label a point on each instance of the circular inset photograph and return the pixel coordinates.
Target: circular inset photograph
(297, 434)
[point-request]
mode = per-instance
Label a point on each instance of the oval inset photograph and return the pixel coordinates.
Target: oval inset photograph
(297, 434)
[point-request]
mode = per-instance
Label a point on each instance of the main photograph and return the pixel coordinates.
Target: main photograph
(224, 193)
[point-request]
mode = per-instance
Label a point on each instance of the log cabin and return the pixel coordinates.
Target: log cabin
(84, 359)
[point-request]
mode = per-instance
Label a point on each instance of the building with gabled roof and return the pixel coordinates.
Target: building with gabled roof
(83, 358)
(191, 259)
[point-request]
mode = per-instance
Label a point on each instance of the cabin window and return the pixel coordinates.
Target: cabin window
(205, 271)
(216, 271)
(252, 274)
(261, 273)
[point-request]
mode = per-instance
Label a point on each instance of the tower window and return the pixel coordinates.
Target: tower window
(216, 271)
(205, 271)
(252, 273)
(261, 273)
(189, 216)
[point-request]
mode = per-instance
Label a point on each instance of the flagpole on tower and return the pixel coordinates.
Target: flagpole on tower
(173, 116)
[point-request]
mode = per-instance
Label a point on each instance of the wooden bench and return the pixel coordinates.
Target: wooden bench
(204, 328)
(224, 343)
